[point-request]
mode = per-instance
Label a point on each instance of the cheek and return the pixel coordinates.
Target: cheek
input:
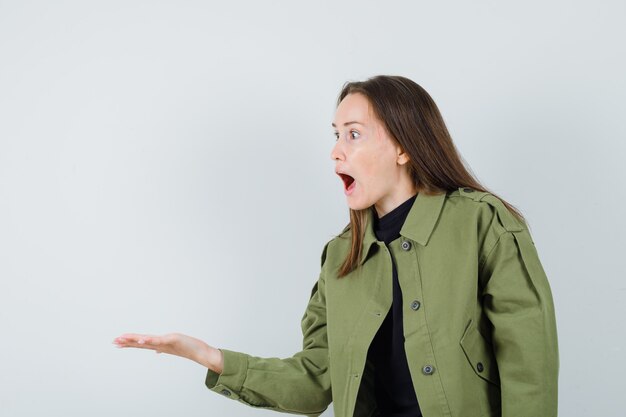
(373, 164)
(381, 163)
(376, 171)
(369, 163)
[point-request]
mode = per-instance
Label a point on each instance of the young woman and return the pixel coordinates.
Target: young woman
(431, 302)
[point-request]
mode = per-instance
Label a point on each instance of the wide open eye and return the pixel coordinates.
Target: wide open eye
(354, 134)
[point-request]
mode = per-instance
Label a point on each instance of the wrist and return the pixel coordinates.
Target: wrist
(212, 358)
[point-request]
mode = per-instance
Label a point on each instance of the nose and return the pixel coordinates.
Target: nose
(337, 152)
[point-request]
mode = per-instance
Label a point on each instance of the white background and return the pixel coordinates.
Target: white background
(165, 166)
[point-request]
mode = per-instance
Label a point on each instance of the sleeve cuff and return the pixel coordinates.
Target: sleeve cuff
(230, 381)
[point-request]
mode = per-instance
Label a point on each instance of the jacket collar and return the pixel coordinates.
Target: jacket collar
(418, 225)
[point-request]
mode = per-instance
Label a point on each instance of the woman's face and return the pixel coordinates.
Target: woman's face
(371, 165)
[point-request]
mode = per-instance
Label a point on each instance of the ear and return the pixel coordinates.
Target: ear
(403, 157)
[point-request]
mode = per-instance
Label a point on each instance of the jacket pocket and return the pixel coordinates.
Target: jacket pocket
(480, 355)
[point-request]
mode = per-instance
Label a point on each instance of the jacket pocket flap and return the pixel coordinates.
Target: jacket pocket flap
(480, 354)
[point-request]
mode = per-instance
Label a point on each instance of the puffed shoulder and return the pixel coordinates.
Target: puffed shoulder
(506, 219)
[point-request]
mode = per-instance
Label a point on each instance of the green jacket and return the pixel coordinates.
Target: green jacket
(479, 323)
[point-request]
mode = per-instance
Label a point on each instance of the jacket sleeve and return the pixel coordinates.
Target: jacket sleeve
(299, 384)
(518, 302)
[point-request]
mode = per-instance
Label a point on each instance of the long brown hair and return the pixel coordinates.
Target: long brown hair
(413, 120)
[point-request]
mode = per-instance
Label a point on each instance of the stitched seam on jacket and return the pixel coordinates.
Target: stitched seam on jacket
(484, 259)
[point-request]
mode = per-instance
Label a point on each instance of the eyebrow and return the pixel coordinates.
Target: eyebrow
(349, 123)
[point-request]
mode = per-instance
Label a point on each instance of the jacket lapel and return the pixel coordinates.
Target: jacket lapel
(418, 226)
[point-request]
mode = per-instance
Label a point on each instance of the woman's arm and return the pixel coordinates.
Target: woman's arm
(518, 301)
(299, 384)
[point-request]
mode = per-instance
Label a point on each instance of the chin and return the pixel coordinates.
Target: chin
(359, 206)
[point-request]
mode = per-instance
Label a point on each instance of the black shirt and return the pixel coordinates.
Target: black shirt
(393, 387)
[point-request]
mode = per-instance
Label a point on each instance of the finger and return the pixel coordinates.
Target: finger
(136, 340)
(129, 344)
(134, 336)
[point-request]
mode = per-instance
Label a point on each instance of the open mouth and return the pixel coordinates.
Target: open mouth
(348, 181)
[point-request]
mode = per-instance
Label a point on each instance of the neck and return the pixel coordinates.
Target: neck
(391, 201)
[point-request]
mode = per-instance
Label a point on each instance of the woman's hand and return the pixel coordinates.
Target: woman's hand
(175, 344)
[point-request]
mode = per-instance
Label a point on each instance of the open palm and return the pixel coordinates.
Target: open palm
(175, 344)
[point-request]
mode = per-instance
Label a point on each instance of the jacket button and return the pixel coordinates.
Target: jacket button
(468, 190)
(480, 367)
(428, 370)
(406, 245)
(226, 392)
(415, 305)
